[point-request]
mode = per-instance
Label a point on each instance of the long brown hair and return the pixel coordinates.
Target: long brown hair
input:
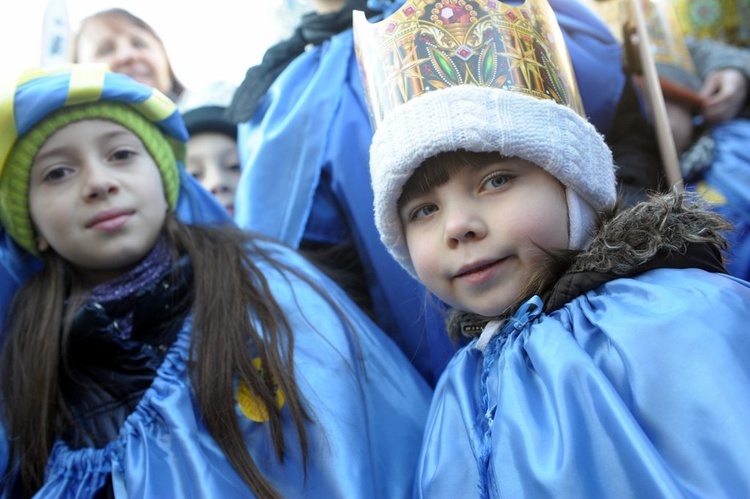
(229, 293)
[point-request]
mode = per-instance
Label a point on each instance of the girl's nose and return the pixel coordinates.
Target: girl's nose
(98, 183)
(463, 225)
(215, 180)
(123, 54)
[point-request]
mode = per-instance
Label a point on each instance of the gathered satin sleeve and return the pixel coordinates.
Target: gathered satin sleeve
(368, 403)
(640, 388)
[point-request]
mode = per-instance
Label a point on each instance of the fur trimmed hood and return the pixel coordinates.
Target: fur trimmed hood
(666, 224)
(674, 230)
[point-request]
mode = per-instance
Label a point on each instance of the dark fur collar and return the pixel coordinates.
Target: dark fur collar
(667, 231)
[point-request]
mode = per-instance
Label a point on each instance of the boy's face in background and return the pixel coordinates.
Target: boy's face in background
(213, 159)
(474, 239)
(96, 197)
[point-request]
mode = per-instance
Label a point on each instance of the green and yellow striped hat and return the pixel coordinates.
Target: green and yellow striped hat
(38, 102)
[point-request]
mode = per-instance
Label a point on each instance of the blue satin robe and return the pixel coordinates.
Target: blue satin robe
(640, 388)
(726, 185)
(305, 157)
(367, 402)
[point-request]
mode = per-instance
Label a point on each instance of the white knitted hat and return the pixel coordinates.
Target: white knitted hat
(481, 119)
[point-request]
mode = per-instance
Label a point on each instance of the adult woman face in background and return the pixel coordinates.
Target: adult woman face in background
(128, 45)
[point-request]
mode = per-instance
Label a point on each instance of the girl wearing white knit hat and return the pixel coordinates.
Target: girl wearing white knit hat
(605, 344)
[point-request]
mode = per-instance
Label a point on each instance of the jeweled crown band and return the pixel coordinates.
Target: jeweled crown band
(427, 45)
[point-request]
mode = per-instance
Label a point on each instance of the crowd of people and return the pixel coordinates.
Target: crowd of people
(425, 249)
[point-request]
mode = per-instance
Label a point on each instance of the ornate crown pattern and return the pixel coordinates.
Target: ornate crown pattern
(427, 45)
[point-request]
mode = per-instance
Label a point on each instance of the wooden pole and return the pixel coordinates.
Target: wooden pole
(655, 98)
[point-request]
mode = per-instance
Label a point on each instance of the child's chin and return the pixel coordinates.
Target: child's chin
(493, 311)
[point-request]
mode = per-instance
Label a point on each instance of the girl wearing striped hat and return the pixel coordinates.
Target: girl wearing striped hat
(151, 358)
(607, 348)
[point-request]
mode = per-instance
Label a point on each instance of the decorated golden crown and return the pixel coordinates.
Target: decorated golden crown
(427, 45)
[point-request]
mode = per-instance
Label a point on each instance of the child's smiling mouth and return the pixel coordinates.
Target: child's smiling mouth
(478, 271)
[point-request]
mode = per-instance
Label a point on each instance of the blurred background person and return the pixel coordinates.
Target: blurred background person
(129, 45)
(212, 158)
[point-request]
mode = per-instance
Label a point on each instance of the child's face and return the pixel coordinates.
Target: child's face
(214, 161)
(127, 49)
(474, 239)
(96, 197)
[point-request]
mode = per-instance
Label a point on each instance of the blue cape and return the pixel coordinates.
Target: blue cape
(636, 389)
(726, 185)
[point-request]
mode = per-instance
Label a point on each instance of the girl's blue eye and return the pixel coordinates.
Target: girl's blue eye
(496, 181)
(235, 167)
(139, 43)
(423, 211)
(104, 50)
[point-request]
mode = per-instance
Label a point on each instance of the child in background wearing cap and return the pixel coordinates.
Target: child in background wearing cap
(608, 347)
(152, 358)
(212, 155)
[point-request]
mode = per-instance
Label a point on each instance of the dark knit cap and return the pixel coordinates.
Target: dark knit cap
(209, 119)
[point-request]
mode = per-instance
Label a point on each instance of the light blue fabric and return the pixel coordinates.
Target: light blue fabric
(597, 60)
(282, 147)
(640, 388)
(729, 175)
(313, 123)
(310, 138)
(367, 402)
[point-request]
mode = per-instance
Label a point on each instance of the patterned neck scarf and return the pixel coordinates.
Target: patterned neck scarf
(119, 295)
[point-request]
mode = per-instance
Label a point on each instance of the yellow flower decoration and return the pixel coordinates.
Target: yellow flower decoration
(709, 194)
(250, 404)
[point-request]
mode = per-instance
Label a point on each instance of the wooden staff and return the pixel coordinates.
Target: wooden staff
(638, 37)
